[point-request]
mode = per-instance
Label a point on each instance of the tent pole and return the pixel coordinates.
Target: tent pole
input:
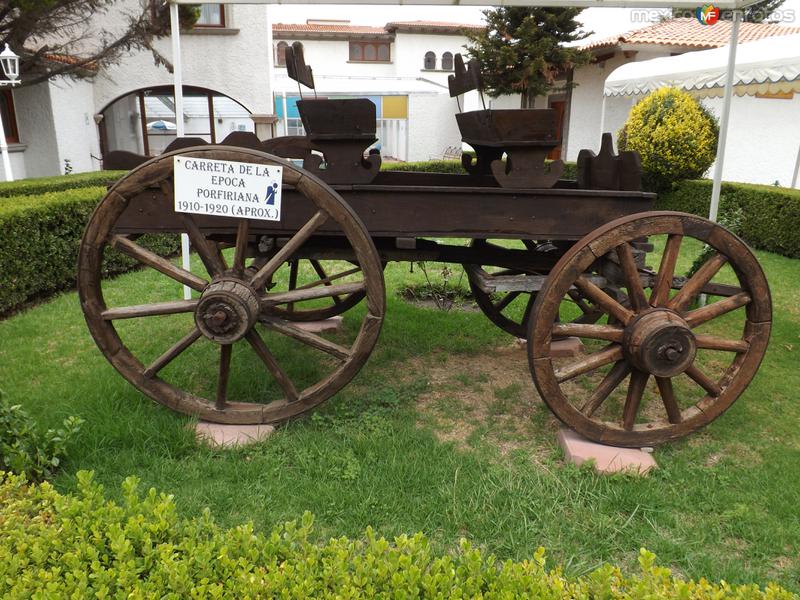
(796, 168)
(177, 77)
(603, 116)
(726, 113)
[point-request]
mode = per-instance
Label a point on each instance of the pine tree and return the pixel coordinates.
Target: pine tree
(523, 49)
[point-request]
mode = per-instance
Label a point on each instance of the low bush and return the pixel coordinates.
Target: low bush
(80, 546)
(27, 450)
(60, 183)
(39, 241)
(766, 217)
(674, 134)
(454, 166)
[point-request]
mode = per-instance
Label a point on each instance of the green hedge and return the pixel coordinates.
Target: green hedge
(39, 241)
(454, 166)
(43, 185)
(767, 217)
(85, 546)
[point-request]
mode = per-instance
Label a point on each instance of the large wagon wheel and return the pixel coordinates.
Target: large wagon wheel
(701, 358)
(233, 305)
(502, 308)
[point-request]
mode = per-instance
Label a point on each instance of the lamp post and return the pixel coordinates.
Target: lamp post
(10, 64)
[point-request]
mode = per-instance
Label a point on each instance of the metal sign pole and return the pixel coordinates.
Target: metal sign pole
(726, 113)
(177, 77)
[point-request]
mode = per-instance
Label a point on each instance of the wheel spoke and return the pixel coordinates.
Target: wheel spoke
(241, 246)
(632, 281)
(272, 365)
(605, 356)
(297, 240)
(610, 382)
(311, 293)
(586, 330)
(603, 300)
(634, 399)
(507, 299)
(668, 398)
(171, 354)
(293, 264)
(225, 351)
(306, 337)
(206, 250)
(329, 280)
(712, 342)
(159, 263)
(695, 284)
(701, 379)
(711, 311)
(323, 276)
(666, 271)
(528, 310)
(149, 310)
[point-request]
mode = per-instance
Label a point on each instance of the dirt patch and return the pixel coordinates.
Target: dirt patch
(488, 398)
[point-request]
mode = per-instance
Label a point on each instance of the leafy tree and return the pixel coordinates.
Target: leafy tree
(74, 38)
(523, 50)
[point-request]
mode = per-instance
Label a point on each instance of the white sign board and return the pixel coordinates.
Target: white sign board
(224, 188)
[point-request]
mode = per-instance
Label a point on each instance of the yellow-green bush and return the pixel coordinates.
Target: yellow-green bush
(84, 546)
(674, 134)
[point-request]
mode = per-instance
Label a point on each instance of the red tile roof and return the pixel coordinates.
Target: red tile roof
(341, 28)
(431, 25)
(326, 28)
(693, 34)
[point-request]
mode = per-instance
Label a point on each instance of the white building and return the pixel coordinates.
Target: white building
(227, 57)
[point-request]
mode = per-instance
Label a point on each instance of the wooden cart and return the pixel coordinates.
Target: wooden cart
(574, 255)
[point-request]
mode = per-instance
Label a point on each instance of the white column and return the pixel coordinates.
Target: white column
(177, 78)
(9, 176)
(285, 114)
(603, 116)
(726, 113)
(796, 168)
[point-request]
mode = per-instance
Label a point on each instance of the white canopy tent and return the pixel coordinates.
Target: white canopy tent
(734, 5)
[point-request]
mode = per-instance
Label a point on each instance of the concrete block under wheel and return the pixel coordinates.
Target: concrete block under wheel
(607, 459)
(331, 324)
(231, 436)
(563, 348)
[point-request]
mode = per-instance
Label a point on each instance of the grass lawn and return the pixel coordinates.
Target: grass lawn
(441, 432)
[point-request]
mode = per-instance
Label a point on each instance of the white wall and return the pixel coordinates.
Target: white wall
(763, 139)
(431, 126)
(235, 65)
(36, 131)
(331, 57)
(76, 131)
(587, 100)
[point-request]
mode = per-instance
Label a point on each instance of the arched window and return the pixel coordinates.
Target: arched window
(280, 54)
(447, 61)
(430, 61)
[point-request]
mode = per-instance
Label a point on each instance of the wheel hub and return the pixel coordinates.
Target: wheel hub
(227, 310)
(660, 342)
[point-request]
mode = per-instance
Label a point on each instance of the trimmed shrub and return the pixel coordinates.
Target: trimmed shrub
(675, 135)
(81, 546)
(766, 217)
(39, 241)
(28, 451)
(454, 166)
(60, 183)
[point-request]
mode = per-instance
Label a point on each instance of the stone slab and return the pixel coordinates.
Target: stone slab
(607, 459)
(229, 436)
(564, 348)
(332, 324)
